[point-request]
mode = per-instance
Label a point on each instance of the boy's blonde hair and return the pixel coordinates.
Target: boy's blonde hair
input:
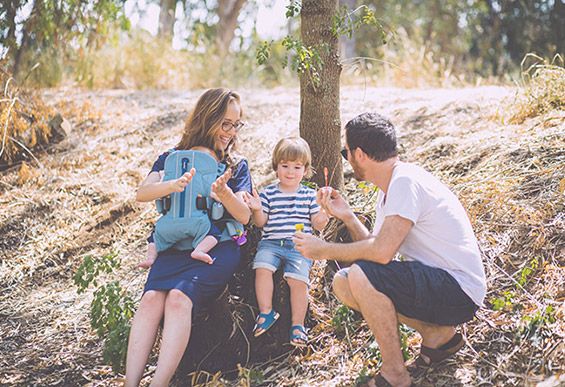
(294, 149)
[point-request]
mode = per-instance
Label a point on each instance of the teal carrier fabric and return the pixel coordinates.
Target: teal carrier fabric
(186, 215)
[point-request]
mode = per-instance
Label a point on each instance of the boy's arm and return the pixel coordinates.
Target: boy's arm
(319, 220)
(259, 217)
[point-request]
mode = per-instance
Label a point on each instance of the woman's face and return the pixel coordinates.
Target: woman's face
(229, 127)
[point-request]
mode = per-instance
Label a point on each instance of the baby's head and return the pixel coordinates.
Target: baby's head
(295, 150)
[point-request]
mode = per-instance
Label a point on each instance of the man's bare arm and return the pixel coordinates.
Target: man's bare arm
(380, 248)
(356, 228)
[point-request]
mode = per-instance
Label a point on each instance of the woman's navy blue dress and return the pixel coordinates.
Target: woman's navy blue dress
(201, 282)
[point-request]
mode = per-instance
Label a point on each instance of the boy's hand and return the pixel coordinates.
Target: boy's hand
(178, 185)
(333, 203)
(253, 201)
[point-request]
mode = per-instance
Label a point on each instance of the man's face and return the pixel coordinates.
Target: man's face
(358, 171)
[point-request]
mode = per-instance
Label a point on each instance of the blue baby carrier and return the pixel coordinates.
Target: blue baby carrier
(186, 215)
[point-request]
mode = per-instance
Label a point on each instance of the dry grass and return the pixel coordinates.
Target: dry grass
(543, 88)
(24, 121)
(407, 63)
(135, 61)
(510, 178)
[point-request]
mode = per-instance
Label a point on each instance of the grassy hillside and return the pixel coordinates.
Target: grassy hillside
(77, 200)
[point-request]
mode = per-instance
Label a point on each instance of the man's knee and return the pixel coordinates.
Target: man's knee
(340, 285)
(357, 279)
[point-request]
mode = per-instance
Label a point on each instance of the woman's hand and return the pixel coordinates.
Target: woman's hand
(220, 186)
(333, 203)
(178, 185)
(253, 201)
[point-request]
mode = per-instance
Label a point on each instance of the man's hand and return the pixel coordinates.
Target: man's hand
(220, 186)
(310, 246)
(178, 185)
(252, 201)
(333, 203)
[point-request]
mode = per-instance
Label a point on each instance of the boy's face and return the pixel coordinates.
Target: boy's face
(290, 173)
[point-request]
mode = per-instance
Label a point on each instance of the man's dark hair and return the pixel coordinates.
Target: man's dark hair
(374, 134)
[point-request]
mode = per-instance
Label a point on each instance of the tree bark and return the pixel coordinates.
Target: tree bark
(320, 123)
(222, 334)
(167, 18)
(228, 12)
(11, 41)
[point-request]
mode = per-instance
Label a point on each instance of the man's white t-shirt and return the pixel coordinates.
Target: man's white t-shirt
(442, 235)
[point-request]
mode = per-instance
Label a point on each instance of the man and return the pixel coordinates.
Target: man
(438, 284)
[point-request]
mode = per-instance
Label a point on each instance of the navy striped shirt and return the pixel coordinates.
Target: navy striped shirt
(286, 209)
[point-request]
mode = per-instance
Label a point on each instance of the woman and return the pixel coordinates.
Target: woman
(178, 284)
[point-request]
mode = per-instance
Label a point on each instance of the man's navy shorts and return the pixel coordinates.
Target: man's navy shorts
(421, 292)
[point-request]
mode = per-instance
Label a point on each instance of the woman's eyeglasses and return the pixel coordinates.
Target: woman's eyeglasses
(227, 126)
(344, 153)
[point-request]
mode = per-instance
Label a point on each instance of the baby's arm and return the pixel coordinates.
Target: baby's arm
(254, 202)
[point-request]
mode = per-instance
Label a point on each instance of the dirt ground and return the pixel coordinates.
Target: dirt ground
(80, 202)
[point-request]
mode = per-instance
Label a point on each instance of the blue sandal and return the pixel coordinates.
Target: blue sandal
(269, 319)
(299, 339)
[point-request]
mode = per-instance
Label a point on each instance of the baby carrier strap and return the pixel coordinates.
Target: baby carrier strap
(195, 199)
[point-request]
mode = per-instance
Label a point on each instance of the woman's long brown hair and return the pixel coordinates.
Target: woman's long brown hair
(206, 120)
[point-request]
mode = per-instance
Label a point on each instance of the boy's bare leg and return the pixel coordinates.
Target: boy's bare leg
(264, 288)
(298, 301)
(151, 256)
(201, 251)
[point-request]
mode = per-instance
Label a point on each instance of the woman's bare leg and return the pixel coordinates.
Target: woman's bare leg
(143, 333)
(176, 332)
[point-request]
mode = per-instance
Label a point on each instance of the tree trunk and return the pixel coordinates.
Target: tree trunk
(228, 12)
(320, 123)
(167, 18)
(222, 335)
(11, 40)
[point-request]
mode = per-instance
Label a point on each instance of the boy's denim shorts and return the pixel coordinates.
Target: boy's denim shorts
(271, 252)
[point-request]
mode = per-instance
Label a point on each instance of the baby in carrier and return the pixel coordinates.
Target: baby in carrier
(185, 222)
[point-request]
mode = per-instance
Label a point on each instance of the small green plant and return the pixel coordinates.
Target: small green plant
(363, 377)
(294, 8)
(250, 376)
(263, 52)
(532, 325)
(309, 184)
(304, 59)
(505, 302)
(346, 22)
(343, 319)
(373, 352)
(111, 309)
(525, 273)
(405, 332)
(90, 269)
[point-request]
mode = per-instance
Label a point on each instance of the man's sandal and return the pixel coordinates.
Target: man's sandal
(437, 355)
(298, 336)
(268, 320)
(380, 381)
